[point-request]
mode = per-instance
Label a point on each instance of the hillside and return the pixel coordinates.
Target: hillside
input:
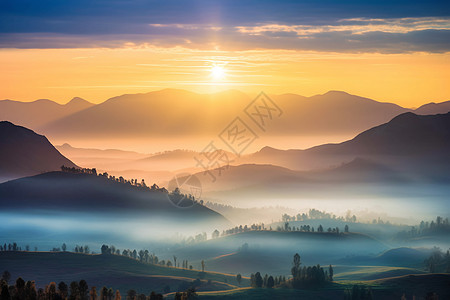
(60, 191)
(272, 251)
(24, 153)
(114, 271)
(418, 286)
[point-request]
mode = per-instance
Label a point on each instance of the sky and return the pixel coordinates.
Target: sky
(396, 51)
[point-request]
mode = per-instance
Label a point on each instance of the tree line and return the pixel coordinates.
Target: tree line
(77, 290)
(438, 262)
(438, 226)
(305, 276)
(120, 179)
(308, 228)
(315, 214)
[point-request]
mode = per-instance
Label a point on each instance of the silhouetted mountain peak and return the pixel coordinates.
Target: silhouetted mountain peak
(335, 92)
(268, 150)
(78, 101)
(23, 152)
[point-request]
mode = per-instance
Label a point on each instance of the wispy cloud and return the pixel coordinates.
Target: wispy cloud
(333, 26)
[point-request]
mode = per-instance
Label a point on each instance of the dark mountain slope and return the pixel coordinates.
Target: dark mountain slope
(24, 153)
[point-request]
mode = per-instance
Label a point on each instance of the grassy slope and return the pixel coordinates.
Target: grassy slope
(386, 289)
(372, 272)
(113, 271)
(271, 251)
(123, 273)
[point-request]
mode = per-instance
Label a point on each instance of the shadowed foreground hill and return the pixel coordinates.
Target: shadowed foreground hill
(25, 153)
(387, 289)
(62, 191)
(114, 271)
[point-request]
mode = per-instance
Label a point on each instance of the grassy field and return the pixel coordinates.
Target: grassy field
(271, 252)
(123, 273)
(386, 289)
(118, 272)
(372, 272)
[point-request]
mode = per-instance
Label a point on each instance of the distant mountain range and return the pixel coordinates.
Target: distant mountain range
(40, 112)
(24, 153)
(422, 137)
(410, 149)
(173, 112)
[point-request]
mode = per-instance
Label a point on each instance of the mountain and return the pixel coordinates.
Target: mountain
(38, 113)
(167, 112)
(433, 108)
(425, 137)
(68, 150)
(172, 113)
(406, 134)
(408, 155)
(108, 159)
(334, 112)
(175, 113)
(24, 153)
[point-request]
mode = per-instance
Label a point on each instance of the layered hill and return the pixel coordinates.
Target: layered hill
(272, 251)
(40, 112)
(173, 112)
(115, 271)
(424, 137)
(24, 152)
(62, 191)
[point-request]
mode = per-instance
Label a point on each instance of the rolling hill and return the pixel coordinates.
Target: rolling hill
(25, 153)
(61, 191)
(272, 251)
(114, 271)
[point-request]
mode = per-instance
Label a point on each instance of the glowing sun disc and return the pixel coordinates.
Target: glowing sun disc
(217, 73)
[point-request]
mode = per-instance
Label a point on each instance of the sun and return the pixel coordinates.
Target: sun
(217, 73)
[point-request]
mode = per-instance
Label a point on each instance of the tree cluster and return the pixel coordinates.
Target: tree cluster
(257, 281)
(309, 276)
(77, 290)
(245, 228)
(308, 228)
(10, 247)
(142, 255)
(438, 262)
(120, 179)
(435, 227)
(358, 292)
(315, 214)
(133, 295)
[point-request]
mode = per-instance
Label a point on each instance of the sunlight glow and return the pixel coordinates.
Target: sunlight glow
(217, 73)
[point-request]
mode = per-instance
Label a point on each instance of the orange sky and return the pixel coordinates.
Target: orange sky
(96, 74)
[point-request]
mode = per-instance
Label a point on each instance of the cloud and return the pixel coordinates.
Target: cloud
(345, 26)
